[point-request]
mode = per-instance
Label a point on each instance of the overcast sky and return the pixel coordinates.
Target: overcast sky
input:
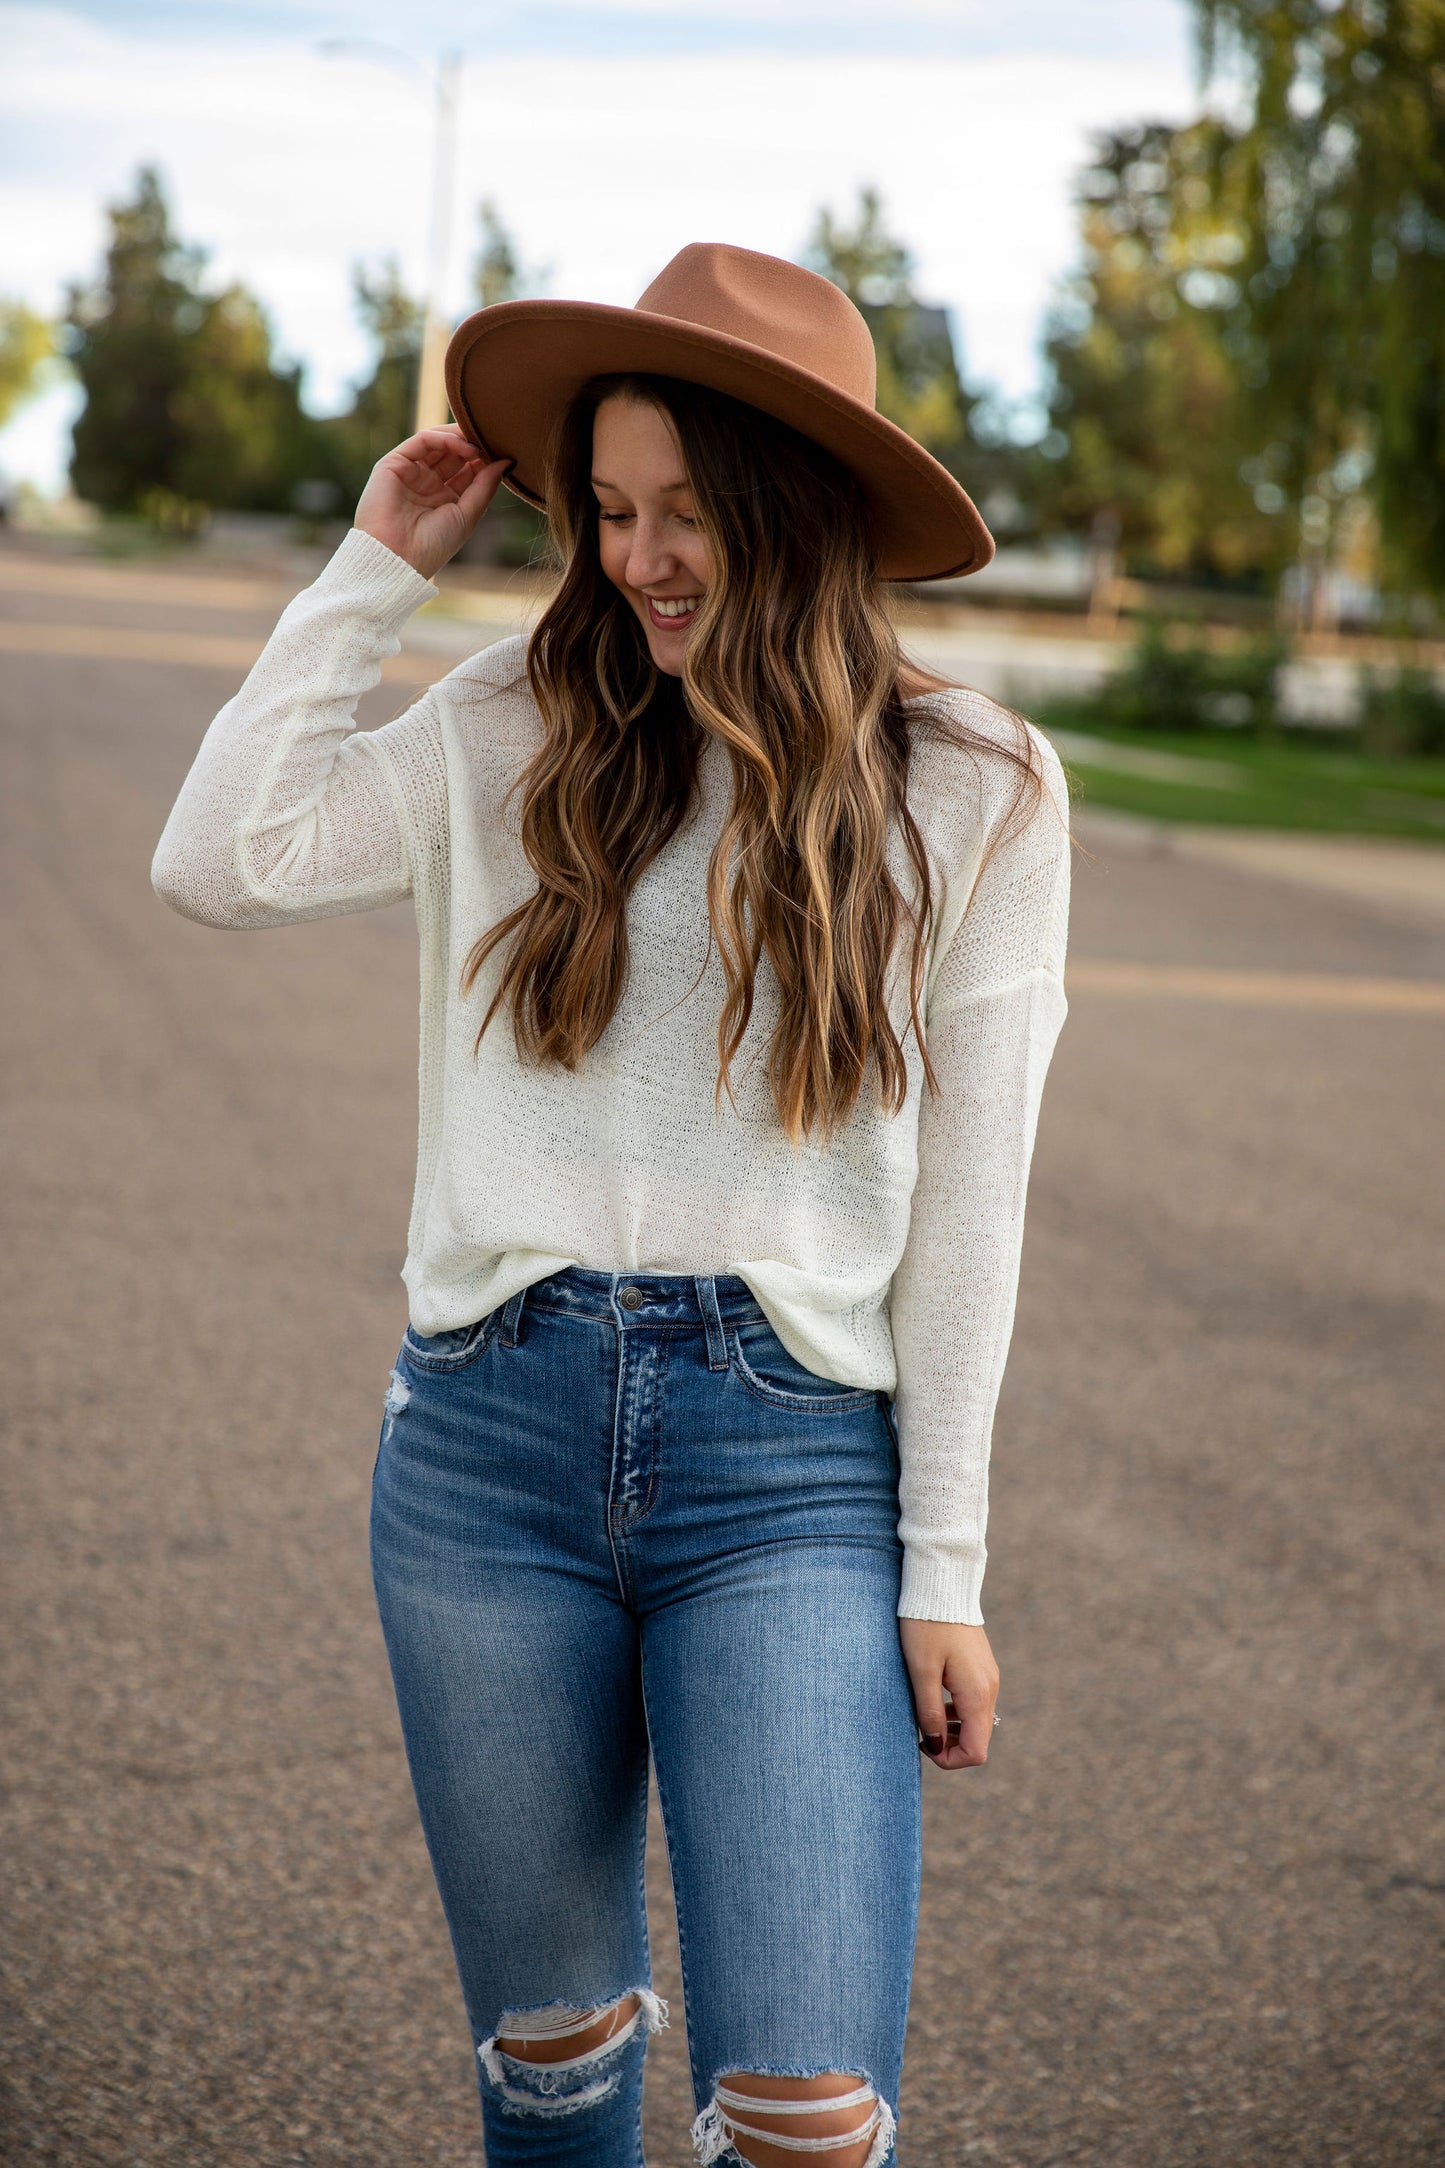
(609, 132)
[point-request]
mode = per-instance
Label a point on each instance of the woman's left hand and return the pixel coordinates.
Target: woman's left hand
(955, 1661)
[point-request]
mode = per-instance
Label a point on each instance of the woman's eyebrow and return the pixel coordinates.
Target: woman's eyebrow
(666, 490)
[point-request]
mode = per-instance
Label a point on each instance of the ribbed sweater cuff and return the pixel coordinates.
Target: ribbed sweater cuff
(383, 584)
(946, 1589)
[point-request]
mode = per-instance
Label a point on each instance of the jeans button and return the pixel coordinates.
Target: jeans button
(631, 1298)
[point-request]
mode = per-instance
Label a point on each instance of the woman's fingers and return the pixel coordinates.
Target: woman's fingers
(425, 497)
(431, 456)
(971, 1676)
(482, 486)
(448, 475)
(971, 1738)
(424, 470)
(455, 477)
(949, 1755)
(955, 1684)
(931, 1712)
(431, 445)
(943, 1741)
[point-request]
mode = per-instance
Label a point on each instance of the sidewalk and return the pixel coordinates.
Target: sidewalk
(1392, 873)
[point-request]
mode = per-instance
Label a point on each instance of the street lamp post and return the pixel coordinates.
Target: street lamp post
(431, 394)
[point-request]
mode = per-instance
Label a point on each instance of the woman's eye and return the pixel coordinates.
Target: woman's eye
(612, 518)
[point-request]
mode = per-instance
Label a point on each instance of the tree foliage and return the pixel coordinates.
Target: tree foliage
(27, 342)
(129, 338)
(1340, 180)
(919, 386)
(243, 438)
(383, 409)
(183, 400)
(497, 274)
(1154, 433)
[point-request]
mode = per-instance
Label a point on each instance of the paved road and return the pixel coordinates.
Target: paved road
(1192, 1911)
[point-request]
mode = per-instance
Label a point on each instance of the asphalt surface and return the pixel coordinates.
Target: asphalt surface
(1191, 1912)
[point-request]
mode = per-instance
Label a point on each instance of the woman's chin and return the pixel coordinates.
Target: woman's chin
(668, 654)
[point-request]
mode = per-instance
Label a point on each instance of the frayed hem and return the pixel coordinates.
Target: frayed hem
(523, 2103)
(542, 2094)
(883, 2137)
(651, 2008)
(712, 2132)
(710, 2138)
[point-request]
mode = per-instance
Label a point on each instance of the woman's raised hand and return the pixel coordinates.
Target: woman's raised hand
(424, 499)
(955, 1661)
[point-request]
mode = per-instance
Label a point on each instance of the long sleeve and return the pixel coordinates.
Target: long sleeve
(287, 813)
(995, 1011)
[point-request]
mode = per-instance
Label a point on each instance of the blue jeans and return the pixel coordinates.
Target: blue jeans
(616, 1515)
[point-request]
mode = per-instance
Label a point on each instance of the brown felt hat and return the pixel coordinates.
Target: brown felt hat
(756, 327)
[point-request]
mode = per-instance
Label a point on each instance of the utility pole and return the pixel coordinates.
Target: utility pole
(431, 394)
(431, 391)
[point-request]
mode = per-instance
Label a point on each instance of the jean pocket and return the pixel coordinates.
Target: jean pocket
(450, 1350)
(766, 1368)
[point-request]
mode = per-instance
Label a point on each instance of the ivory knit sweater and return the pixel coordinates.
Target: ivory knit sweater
(887, 1259)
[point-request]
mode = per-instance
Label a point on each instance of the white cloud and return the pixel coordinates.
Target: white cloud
(289, 166)
(1124, 28)
(35, 445)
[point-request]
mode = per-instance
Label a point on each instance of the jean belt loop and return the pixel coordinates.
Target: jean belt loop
(512, 1318)
(717, 1346)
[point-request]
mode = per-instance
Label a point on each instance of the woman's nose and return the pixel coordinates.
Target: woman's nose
(650, 559)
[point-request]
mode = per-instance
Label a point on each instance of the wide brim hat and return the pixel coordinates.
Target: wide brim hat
(756, 327)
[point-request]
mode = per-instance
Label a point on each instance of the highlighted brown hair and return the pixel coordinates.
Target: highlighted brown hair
(794, 663)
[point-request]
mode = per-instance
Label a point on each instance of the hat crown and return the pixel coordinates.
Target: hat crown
(803, 319)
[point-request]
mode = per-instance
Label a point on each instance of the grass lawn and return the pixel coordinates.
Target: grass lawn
(1292, 779)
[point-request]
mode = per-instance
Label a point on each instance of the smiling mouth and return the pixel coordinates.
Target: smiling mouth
(669, 611)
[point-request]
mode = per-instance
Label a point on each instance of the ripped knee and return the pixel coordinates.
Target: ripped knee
(562, 2035)
(835, 2117)
(560, 2059)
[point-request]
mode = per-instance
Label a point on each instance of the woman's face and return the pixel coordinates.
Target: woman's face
(649, 545)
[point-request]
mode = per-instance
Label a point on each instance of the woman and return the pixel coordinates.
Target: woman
(741, 968)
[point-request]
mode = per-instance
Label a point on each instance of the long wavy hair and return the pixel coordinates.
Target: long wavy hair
(793, 662)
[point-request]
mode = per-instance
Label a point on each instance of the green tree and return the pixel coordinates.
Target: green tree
(244, 437)
(919, 386)
(383, 411)
(1340, 173)
(182, 401)
(129, 335)
(1154, 437)
(497, 274)
(512, 533)
(27, 342)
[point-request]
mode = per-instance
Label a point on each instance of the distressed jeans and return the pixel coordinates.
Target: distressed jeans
(613, 1516)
